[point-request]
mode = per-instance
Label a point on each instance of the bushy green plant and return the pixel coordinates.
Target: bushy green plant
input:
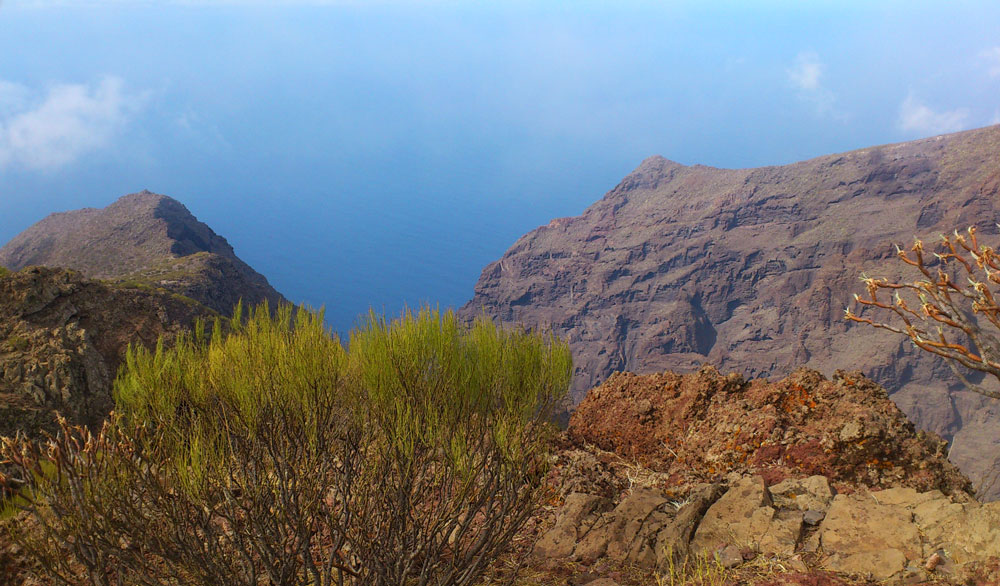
(269, 454)
(4, 271)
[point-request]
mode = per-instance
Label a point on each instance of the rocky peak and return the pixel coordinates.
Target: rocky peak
(146, 238)
(188, 235)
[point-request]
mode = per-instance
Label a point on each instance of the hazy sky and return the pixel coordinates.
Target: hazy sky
(376, 153)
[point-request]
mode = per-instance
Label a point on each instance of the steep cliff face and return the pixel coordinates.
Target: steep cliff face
(143, 238)
(750, 270)
(63, 337)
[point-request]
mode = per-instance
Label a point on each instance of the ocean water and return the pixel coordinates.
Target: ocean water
(380, 236)
(379, 154)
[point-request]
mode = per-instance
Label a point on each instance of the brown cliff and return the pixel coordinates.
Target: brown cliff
(143, 238)
(750, 269)
(63, 337)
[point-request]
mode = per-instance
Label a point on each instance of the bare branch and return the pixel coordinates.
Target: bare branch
(966, 318)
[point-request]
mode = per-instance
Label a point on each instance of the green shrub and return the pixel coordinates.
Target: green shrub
(271, 455)
(4, 271)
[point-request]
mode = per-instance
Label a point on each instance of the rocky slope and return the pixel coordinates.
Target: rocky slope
(143, 238)
(63, 337)
(702, 426)
(750, 270)
(799, 481)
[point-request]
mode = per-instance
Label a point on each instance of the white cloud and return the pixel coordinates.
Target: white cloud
(44, 132)
(806, 76)
(992, 57)
(806, 73)
(12, 98)
(915, 116)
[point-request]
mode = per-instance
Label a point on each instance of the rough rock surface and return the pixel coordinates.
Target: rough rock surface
(744, 484)
(143, 238)
(703, 426)
(885, 535)
(750, 269)
(62, 338)
(745, 516)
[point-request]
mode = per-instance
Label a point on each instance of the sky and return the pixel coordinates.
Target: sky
(381, 153)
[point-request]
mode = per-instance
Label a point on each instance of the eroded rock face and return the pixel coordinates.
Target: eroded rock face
(645, 528)
(578, 514)
(804, 494)
(750, 270)
(62, 338)
(143, 238)
(745, 517)
(703, 426)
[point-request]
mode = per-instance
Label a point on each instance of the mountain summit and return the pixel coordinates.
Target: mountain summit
(144, 238)
(750, 270)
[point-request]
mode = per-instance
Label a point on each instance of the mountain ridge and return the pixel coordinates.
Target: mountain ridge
(144, 238)
(750, 270)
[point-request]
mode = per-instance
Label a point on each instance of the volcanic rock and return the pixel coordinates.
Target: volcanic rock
(63, 337)
(704, 426)
(143, 239)
(826, 480)
(751, 269)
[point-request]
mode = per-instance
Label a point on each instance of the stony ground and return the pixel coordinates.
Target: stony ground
(701, 427)
(799, 481)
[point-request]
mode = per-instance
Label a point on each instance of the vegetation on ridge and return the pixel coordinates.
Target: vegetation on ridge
(270, 454)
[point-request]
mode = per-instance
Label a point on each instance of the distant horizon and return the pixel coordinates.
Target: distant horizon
(376, 154)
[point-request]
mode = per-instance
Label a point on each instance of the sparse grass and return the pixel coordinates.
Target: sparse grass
(695, 570)
(10, 507)
(172, 269)
(18, 343)
(133, 284)
(152, 287)
(14, 502)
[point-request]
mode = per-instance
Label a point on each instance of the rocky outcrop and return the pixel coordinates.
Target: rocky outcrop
(63, 337)
(750, 269)
(146, 239)
(799, 481)
(897, 535)
(703, 426)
